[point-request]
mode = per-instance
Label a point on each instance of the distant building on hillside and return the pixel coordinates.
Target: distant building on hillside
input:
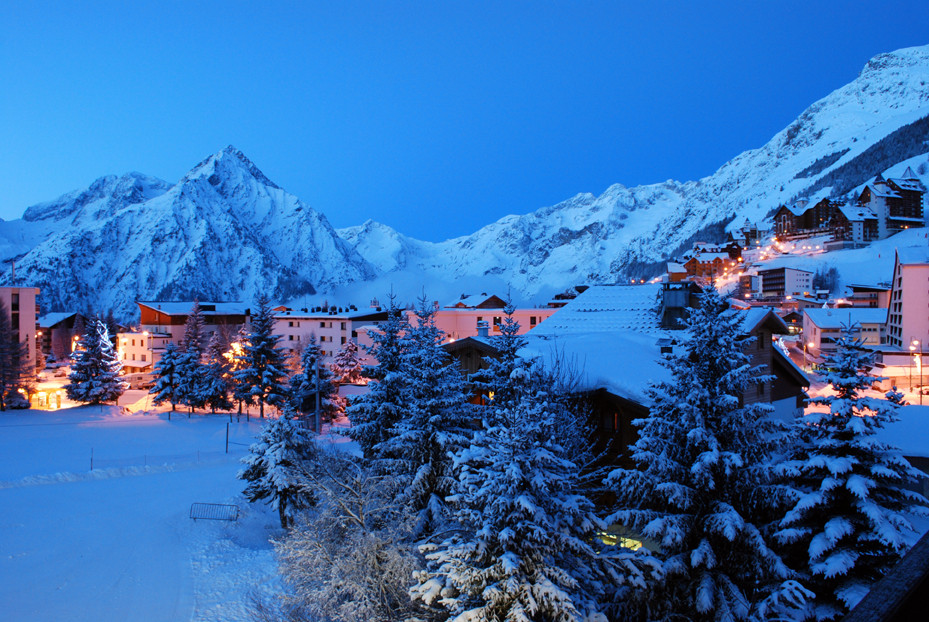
(897, 203)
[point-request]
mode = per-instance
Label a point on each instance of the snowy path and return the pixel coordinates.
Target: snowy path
(117, 543)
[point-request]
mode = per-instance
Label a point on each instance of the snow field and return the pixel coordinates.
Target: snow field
(117, 543)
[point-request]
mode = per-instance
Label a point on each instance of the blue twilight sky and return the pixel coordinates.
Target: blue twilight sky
(435, 118)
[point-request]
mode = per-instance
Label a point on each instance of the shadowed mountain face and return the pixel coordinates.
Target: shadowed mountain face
(226, 232)
(223, 232)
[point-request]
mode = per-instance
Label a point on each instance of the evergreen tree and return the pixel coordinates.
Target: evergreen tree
(435, 424)
(848, 526)
(167, 379)
(274, 467)
(95, 368)
(262, 372)
(375, 414)
(14, 369)
(347, 366)
(241, 390)
(194, 332)
(190, 370)
(215, 382)
(494, 381)
(313, 380)
(527, 547)
(703, 488)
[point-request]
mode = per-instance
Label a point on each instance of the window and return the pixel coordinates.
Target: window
(343, 325)
(290, 337)
(144, 358)
(343, 340)
(322, 325)
(133, 342)
(142, 342)
(290, 324)
(531, 320)
(133, 356)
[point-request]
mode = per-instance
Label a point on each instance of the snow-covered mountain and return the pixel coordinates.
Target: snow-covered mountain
(223, 232)
(839, 142)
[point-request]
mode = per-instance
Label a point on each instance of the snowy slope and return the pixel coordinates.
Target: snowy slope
(223, 232)
(609, 237)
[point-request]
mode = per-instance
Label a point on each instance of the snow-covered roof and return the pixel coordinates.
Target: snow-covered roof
(856, 213)
(206, 307)
(675, 267)
(624, 363)
(705, 257)
(473, 301)
(607, 308)
(910, 183)
(50, 319)
(909, 434)
(753, 316)
(882, 190)
(909, 255)
(835, 318)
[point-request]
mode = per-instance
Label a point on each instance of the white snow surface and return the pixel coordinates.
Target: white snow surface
(117, 543)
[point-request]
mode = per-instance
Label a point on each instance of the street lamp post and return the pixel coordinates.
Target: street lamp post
(918, 359)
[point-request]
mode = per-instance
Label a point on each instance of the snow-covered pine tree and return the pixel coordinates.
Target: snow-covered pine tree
(241, 390)
(347, 367)
(215, 383)
(167, 380)
(95, 367)
(261, 375)
(274, 467)
(702, 488)
(435, 424)
(190, 369)
(850, 523)
(494, 381)
(311, 380)
(526, 548)
(14, 370)
(194, 332)
(375, 414)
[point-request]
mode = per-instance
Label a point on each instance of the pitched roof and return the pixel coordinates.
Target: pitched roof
(605, 308)
(50, 319)
(624, 363)
(475, 300)
(856, 213)
(206, 307)
(836, 318)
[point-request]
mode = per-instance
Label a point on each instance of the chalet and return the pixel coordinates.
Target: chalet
(855, 224)
(710, 265)
(162, 323)
(616, 337)
(56, 333)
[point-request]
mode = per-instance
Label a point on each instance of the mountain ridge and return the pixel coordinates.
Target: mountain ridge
(225, 230)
